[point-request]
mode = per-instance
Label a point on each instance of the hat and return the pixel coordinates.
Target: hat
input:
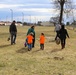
(31, 33)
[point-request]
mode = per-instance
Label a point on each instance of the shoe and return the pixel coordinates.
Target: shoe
(42, 49)
(32, 46)
(62, 47)
(28, 49)
(11, 43)
(14, 43)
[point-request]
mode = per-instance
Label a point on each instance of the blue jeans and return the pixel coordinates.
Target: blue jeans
(30, 46)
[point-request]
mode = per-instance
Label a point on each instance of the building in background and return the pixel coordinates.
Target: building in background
(7, 23)
(46, 23)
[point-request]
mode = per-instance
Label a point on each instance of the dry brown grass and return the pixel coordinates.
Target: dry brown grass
(17, 60)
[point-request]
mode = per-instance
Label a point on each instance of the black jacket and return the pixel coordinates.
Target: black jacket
(12, 28)
(63, 33)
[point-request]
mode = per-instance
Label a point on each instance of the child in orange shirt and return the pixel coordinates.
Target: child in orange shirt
(29, 41)
(42, 41)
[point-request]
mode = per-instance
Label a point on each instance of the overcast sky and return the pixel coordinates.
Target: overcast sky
(30, 10)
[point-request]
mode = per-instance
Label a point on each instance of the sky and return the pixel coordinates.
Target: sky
(27, 10)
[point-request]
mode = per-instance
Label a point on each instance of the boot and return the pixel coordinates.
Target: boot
(62, 45)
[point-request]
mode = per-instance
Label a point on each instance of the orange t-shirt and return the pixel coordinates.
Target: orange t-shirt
(42, 39)
(29, 39)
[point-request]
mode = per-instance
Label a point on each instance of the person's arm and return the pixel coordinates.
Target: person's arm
(29, 31)
(10, 29)
(16, 28)
(67, 34)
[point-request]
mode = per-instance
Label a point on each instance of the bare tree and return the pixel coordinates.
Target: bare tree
(61, 5)
(54, 19)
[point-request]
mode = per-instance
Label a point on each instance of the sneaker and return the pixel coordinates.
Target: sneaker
(28, 49)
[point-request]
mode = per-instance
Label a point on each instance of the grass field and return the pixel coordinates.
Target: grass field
(17, 60)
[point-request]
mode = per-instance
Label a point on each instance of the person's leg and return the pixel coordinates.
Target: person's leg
(11, 38)
(57, 34)
(14, 39)
(28, 47)
(42, 46)
(33, 43)
(62, 43)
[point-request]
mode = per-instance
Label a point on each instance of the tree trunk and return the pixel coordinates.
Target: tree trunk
(61, 12)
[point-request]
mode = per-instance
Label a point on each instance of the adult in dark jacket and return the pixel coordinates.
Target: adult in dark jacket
(63, 34)
(33, 31)
(13, 32)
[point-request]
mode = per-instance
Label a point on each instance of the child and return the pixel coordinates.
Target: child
(42, 40)
(29, 41)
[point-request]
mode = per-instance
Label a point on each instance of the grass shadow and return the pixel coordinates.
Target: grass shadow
(3, 46)
(56, 50)
(52, 41)
(37, 51)
(22, 50)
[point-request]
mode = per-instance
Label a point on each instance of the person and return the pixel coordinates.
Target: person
(13, 32)
(30, 40)
(42, 41)
(33, 31)
(57, 28)
(62, 35)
